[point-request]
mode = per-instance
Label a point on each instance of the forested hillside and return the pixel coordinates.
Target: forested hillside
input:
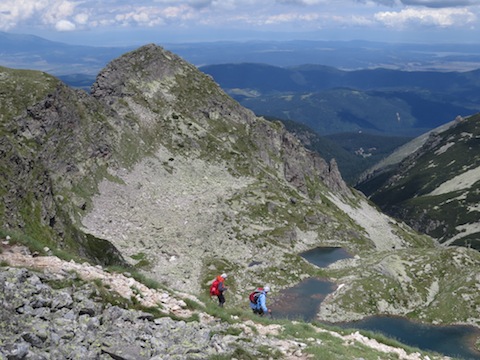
(330, 100)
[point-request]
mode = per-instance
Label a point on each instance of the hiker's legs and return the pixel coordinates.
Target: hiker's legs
(258, 311)
(221, 300)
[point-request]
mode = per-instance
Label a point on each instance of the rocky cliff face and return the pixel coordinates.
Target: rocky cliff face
(159, 170)
(49, 150)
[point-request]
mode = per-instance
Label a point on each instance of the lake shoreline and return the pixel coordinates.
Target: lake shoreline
(304, 301)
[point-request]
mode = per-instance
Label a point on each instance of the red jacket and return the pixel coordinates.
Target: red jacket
(218, 286)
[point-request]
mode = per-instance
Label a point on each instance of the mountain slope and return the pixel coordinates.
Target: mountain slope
(435, 189)
(171, 325)
(159, 170)
(166, 124)
(367, 178)
(353, 152)
(219, 174)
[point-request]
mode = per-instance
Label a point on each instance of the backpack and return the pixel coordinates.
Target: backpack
(214, 288)
(254, 295)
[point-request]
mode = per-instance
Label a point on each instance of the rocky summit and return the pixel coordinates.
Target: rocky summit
(158, 172)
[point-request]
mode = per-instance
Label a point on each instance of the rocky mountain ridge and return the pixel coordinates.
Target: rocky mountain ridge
(91, 146)
(434, 188)
(391, 161)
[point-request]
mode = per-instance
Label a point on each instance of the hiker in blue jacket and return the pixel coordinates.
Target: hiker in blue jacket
(260, 306)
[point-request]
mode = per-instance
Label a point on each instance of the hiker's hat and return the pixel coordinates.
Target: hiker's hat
(224, 275)
(266, 288)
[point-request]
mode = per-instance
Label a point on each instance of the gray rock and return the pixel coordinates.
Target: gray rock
(34, 340)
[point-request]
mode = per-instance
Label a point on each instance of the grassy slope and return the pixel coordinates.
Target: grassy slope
(453, 153)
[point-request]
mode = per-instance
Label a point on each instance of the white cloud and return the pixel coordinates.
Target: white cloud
(248, 15)
(81, 18)
(178, 13)
(57, 11)
(65, 25)
(142, 17)
(429, 17)
(50, 12)
(154, 16)
(302, 2)
(423, 3)
(290, 17)
(13, 11)
(440, 3)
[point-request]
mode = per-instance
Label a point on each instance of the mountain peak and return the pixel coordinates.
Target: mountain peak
(150, 63)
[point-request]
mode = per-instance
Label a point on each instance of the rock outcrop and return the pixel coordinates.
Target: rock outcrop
(72, 310)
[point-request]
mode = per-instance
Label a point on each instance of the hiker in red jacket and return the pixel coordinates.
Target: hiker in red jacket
(218, 287)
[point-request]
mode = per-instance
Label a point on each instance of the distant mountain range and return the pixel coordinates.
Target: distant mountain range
(390, 93)
(35, 53)
(32, 52)
(329, 100)
(398, 90)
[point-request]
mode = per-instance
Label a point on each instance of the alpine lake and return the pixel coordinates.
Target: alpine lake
(302, 302)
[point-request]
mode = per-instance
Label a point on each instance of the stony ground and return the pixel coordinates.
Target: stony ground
(19, 256)
(378, 226)
(165, 212)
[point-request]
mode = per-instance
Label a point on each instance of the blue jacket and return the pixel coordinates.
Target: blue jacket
(261, 303)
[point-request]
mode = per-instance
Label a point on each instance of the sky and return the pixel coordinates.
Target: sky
(133, 22)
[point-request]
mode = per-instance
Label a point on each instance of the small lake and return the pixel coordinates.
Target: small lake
(324, 256)
(452, 340)
(301, 302)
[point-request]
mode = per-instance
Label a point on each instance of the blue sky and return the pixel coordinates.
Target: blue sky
(134, 22)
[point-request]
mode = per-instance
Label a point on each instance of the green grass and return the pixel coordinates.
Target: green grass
(238, 353)
(142, 261)
(137, 275)
(18, 238)
(21, 89)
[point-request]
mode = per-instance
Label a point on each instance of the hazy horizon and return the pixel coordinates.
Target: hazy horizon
(121, 23)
